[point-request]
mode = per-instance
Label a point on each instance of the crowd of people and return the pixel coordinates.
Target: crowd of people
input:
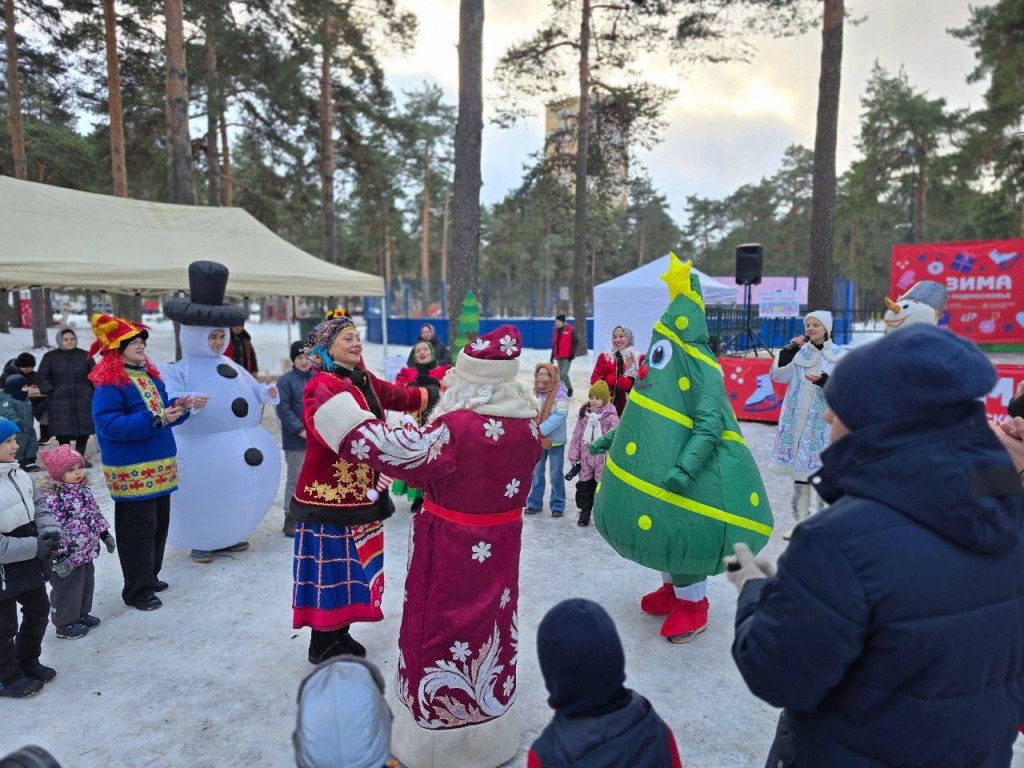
(888, 632)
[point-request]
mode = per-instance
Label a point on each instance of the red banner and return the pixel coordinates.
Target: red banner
(25, 307)
(985, 280)
(754, 396)
(1010, 378)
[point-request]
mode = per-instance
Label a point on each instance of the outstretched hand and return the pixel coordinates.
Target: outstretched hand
(742, 566)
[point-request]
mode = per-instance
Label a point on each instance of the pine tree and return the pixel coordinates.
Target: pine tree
(468, 327)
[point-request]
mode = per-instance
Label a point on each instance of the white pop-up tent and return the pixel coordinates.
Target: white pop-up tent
(56, 237)
(638, 299)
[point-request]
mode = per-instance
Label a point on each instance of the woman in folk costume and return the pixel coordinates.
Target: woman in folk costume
(803, 434)
(458, 645)
(338, 507)
(133, 417)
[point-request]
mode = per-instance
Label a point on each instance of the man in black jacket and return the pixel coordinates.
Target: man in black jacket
(892, 633)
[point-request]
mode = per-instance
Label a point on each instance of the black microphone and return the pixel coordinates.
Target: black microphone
(793, 347)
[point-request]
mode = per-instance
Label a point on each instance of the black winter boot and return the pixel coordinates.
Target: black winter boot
(327, 645)
(584, 518)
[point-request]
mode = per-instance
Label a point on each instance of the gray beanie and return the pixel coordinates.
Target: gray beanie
(919, 371)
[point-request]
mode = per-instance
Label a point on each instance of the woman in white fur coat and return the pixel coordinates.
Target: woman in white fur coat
(804, 366)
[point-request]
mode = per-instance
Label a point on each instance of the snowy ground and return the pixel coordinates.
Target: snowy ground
(210, 679)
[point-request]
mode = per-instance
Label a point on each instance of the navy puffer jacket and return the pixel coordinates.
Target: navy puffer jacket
(893, 634)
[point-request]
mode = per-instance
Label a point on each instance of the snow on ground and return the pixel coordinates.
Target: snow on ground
(210, 679)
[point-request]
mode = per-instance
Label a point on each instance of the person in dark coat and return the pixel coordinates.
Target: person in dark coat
(63, 376)
(293, 430)
(25, 365)
(598, 722)
(892, 633)
(240, 349)
(441, 352)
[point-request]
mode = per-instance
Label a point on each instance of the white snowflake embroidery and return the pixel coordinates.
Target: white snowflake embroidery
(508, 345)
(360, 449)
(512, 488)
(460, 651)
(506, 597)
(508, 685)
(534, 429)
(493, 429)
(481, 551)
(481, 344)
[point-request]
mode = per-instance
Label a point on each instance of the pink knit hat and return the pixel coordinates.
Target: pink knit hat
(60, 460)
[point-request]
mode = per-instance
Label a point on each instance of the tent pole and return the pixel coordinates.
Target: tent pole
(291, 319)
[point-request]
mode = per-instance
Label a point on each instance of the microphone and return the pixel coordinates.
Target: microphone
(794, 346)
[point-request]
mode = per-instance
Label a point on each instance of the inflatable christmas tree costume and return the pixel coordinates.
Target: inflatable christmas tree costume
(680, 486)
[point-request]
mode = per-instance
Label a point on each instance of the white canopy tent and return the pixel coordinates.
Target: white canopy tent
(63, 238)
(638, 299)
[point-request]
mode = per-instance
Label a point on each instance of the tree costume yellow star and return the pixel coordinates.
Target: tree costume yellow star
(680, 486)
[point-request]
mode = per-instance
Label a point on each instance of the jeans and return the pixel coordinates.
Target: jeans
(555, 457)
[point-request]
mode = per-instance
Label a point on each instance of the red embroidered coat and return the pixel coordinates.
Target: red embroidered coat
(458, 644)
(332, 488)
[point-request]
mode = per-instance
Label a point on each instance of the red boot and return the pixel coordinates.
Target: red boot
(659, 602)
(686, 620)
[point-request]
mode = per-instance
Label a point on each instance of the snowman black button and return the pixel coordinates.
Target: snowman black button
(227, 371)
(240, 407)
(253, 457)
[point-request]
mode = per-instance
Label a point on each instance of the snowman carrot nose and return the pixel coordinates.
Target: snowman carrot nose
(892, 305)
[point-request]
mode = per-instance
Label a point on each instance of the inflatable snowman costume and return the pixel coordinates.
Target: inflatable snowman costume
(229, 467)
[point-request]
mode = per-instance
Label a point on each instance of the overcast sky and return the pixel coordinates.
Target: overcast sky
(730, 123)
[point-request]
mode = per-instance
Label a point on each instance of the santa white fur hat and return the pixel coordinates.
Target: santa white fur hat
(493, 358)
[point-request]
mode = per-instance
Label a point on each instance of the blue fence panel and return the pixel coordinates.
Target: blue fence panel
(404, 331)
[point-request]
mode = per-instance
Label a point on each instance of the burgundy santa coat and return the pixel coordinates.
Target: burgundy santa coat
(458, 645)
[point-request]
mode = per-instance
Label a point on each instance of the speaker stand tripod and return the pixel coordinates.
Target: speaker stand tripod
(748, 332)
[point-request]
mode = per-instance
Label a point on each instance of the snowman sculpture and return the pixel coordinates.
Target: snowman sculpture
(229, 467)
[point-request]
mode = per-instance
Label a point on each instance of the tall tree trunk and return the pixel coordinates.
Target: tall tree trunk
(823, 189)
(118, 166)
(5, 314)
(468, 136)
(229, 179)
(327, 145)
(40, 318)
(920, 216)
(579, 286)
(14, 93)
(181, 185)
(213, 110)
(444, 237)
(425, 234)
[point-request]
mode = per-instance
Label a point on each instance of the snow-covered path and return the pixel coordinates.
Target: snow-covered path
(210, 679)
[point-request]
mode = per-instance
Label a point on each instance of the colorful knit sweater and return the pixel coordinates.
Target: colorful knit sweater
(136, 444)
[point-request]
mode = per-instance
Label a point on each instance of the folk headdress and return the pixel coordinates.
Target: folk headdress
(318, 344)
(111, 332)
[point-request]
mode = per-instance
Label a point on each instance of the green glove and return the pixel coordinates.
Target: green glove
(678, 480)
(602, 444)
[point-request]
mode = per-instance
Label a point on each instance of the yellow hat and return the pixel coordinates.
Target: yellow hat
(600, 391)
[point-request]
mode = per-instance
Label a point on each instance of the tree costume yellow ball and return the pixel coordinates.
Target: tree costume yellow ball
(680, 485)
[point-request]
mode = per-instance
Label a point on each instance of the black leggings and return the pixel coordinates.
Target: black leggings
(81, 441)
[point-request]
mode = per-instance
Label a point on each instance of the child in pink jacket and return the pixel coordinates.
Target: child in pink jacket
(597, 418)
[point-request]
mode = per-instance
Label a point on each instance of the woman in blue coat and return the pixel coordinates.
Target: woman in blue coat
(133, 418)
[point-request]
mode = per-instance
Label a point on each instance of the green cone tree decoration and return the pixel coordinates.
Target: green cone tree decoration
(468, 327)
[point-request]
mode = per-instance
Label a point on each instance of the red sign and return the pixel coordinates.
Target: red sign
(1010, 378)
(25, 305)
(985, 280)
(754, 396)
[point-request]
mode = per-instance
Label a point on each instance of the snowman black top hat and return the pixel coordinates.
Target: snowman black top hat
(207, 281)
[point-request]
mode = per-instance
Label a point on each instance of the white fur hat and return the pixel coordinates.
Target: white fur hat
(824, 317)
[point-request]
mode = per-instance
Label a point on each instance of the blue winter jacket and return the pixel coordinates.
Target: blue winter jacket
(289, 408)
(893, 634)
